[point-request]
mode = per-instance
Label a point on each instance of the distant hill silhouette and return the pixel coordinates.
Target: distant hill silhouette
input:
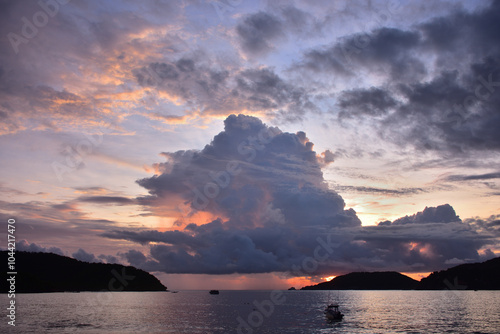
(472, 276)
(388, 280)
(47, 272)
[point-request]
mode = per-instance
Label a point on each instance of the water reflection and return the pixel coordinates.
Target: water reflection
(302, 312)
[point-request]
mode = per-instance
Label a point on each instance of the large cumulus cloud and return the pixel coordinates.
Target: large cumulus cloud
(254, 174)
(270, 210)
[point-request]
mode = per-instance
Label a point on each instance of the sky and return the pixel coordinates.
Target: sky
(236, 144)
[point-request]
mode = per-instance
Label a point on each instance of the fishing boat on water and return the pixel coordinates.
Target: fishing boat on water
(332, 312)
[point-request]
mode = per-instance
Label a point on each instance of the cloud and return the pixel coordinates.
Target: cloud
(371, 102)
(211, 88)
(462, 30)
(447, 105)
(25, 246)
(108, 258)
(425, 241)
(384, 50)
(490, 225)
(440, 214)
(267, 207)
(118, 200)
(245, 163)
(60, 224)
(258, 31)
(459, 177)
(392, 192)
(255, 181)
(82, 255)
(11, 191)
(76, 66)
(134, 257)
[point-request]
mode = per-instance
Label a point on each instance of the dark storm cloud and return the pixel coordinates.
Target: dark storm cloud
(262, 32)
(451, 112)
(490, 225)
(65, 207)
(373, 190)
(170, 237)
(82, 255)
(441, 214)
(217, 91)
(25, 246)
(474, 33)
(372, 102)
(90, 189)
(107, 200)
(425, 241)
(397, 51)
(199, 83)
(299, 23)
(382, 50)
(264, 181)
(245, 163)
(449, 105)
(475, 177)
(258, 31)
(214, 248)
(271, 211)
(263, 89)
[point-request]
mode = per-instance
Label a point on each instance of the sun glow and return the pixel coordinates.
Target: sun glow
(329, 278)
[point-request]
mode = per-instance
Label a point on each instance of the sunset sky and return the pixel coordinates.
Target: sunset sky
(239, 144)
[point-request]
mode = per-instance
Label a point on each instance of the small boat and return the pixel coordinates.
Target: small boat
(332, 313)
(214, 292)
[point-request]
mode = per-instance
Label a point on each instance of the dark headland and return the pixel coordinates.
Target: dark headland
(47, 272)
(387, 280)
(472, 276)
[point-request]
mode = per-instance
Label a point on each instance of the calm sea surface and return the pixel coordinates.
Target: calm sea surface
(255, 312)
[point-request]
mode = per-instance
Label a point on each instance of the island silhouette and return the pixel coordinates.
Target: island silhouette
(470, 276)
(48, 272)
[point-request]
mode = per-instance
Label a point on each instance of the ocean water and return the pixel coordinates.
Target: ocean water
(255, 312)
